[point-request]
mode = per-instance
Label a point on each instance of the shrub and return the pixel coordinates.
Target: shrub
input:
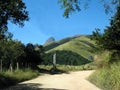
(108, 79)
(10, 78)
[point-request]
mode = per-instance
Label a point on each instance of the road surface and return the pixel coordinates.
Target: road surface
(72, 81)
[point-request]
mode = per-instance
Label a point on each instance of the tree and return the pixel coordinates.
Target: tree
(33, 55)
(11, 53)
(71, 6)
(13, 11)
(110, 39)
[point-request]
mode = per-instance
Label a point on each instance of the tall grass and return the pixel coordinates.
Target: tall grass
(102, 59)
(10, 78)
(68, 68)
(107, 76)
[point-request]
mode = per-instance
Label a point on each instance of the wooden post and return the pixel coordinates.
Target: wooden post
(54, 61)
(17, 65)
(11, 68)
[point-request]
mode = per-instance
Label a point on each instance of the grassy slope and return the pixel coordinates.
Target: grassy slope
(107, 76)
(81, 45)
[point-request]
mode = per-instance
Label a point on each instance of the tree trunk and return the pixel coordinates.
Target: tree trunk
(1, 65)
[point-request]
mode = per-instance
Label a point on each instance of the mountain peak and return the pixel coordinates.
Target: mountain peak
(49, 40)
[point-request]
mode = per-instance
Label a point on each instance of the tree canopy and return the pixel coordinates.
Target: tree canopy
(71, 6)
(13, 11)
(110, 39)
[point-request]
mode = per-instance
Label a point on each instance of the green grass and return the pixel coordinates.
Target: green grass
(107, 75)
(81, 45)
(102, 59)
(107, 79)
(68, 68)
(76, 51)
(10, 78)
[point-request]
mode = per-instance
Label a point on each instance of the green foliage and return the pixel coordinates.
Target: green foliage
(14, 11)
(10, 78)
(81, 45)
(11, 52)
(102, 59)
(68, 68)
(114, 56)
(58, 43)
(110, 39)
(65, 58)
(16, 55)
(107, 78)
(107, 74)
(71, 6)
(33, 55)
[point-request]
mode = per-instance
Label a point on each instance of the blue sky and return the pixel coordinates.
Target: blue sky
(46, 20)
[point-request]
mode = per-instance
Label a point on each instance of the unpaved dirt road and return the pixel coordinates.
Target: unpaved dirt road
(72, 81)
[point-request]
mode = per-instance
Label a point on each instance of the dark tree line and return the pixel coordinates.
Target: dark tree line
(64, 58)
(15, 55)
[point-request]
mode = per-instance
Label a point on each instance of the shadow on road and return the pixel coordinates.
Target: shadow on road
(52, 72)
(30, 86)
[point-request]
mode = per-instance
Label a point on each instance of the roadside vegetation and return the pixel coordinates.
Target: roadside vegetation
(8, 78)
(67, 68)
(15, 57)
(18, 62)
(107, 75)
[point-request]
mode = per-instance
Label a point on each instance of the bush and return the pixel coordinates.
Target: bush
(102, 60)
(68, 68)
(108, 79)
(10, 78)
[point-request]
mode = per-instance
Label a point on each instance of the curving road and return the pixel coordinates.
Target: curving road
(72, 81)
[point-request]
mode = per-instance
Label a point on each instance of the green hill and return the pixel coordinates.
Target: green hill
(57, 43)
(73, 51)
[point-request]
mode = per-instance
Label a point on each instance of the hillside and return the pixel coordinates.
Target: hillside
(78, 50)
(60, 42)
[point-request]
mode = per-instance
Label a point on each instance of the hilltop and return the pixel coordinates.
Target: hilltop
(76, 50)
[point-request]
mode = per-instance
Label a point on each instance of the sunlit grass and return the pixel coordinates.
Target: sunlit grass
(68, 68)
(81, 45)
(10, 78)
(107, 78)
